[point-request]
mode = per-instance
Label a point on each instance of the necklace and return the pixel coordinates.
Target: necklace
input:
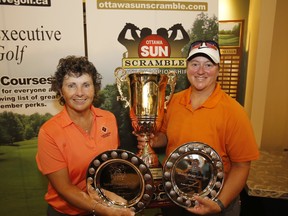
(84, 124)
(87, 129)
(83, 120)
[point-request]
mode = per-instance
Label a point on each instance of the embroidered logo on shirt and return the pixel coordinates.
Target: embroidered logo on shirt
(105, 132)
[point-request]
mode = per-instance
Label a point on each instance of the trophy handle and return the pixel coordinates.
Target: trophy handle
(121, 78)
(171, 82)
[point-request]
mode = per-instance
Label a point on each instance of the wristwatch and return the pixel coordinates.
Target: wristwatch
(220, 204)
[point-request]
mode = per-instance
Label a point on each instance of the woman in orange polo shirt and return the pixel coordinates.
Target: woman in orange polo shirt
(71, 139)
(205, 113)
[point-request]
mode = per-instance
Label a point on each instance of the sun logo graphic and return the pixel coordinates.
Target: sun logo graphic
(154, 46)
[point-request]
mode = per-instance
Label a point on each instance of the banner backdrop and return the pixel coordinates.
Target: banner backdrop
(144, 34)
(34, 35)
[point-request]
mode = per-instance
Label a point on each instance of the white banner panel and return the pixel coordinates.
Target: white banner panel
(34, 35)
(114, 29)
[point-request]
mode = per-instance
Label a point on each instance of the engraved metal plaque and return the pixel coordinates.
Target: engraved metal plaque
(121, 179)
(193, 168)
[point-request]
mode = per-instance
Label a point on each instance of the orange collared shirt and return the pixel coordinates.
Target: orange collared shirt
(62, 144)
(220, 122)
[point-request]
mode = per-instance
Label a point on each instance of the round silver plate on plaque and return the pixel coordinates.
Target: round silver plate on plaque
(193, 169)
(121, 179)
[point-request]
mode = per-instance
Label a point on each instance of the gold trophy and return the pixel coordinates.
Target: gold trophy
(147, 102)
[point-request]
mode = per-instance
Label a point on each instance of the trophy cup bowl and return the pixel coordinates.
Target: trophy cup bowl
(147, 101)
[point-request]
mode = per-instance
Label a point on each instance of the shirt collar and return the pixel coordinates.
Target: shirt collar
(211, 102)
(66, 120)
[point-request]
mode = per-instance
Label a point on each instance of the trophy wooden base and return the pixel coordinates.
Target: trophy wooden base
(160, 198)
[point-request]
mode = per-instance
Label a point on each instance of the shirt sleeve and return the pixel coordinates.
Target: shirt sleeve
(49, 157)
(241, 143)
